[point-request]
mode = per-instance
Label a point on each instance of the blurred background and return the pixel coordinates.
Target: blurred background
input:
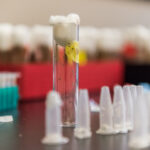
(112, 13)
(114, 43)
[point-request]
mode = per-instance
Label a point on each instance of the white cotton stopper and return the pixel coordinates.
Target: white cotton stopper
(119, 109)
(83, 129)
(21, 35)
(74, 18)
(41, 35)
(65, 28)
(88, 39)
(139, 136)
(139, 36)
(5, 37)
(129, 107)
(71, 18)
(53, 120)
(106, 113)
(110, 40)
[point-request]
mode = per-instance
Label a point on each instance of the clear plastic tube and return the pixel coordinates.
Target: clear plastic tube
(140, 90)
(139, 136)
(83, 129)
(53, 127)
(119, 110)
(129, 107)
(133, 90)
(106, 113)
(53, 120)
(65, 68)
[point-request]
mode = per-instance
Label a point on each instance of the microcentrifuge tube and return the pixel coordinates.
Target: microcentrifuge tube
(106, 113)
(139, 90)
(129, 107)
(82, 129)
(119, 109)
(139, 136)
(147, 101)
(53, 120)
(133, 90)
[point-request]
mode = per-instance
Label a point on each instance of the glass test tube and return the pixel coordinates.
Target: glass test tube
(65, 68)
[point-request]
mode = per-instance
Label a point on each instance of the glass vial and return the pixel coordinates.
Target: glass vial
(65, 67)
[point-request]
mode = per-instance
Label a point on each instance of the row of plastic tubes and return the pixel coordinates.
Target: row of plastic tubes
(8, 79)
(9, 93)
(128, 112)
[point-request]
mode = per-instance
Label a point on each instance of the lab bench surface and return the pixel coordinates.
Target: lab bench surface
(27, 130)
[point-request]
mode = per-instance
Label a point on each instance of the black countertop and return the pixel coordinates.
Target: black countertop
(27, 130)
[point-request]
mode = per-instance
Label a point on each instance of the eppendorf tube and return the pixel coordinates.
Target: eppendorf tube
(65, 63)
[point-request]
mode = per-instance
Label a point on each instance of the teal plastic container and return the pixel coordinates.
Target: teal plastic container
(9, 97)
